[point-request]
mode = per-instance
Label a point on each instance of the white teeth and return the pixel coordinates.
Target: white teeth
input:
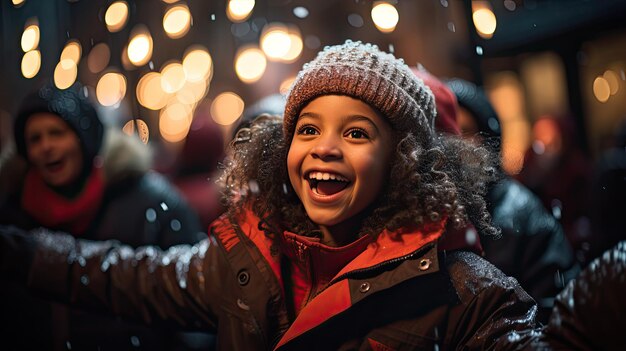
(326, 176)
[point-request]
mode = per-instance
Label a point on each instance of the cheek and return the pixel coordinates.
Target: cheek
(293, 166)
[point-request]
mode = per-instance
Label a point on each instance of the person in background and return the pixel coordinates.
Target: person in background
(92, 183)
(559, 172)
(532, 247)
(341, 243)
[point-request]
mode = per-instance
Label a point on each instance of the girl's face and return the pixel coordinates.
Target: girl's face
(53, 149)
(339, 157)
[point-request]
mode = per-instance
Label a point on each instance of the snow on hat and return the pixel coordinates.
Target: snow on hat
(364, 72)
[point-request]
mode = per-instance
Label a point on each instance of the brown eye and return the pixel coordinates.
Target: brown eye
(307, 130)
(357, 134)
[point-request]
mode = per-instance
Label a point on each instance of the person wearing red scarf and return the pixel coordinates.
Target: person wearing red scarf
(84, 180)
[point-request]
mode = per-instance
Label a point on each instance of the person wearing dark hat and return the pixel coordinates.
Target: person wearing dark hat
(532, 246)
(94, 184)
(335, 235)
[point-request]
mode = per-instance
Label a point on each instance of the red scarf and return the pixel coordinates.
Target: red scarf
(54, 211)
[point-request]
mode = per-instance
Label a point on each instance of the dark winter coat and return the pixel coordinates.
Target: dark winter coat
(532, 248)
(397, 294)
(590, 313)
(140, 207)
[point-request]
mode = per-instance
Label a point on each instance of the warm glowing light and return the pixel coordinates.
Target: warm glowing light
(192, 92)
(275, 41)
(174, 122)
(111, 89)
(140, 48)
(613, 80)
(250, 64)
(142, 129)
(116, 16)
(98, 58)
(295, 49)
(172, 77)
(197, 64)
(30, 38)
(507, 96)
(31, 63)
(286, 84)
(72, 51)
(17, 2)
(177, 21)
(149, 92)
(65, 74)
(385, 17)
(485, 22)
(227, 108)
(601, 89)
(239, 10)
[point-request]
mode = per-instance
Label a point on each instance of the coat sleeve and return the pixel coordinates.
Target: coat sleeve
(590, 313)
(494, 311)
(178, 287)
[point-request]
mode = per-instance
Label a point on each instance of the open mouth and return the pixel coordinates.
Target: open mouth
(54, 166)
(326, 184)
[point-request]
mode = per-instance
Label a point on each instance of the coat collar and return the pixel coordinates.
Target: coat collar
(389, 248)
(419, 245)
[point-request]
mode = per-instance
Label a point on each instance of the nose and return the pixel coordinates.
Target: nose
(327, 148)
(46, 144)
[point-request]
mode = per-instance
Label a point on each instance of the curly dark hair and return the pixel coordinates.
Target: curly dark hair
(429, 178)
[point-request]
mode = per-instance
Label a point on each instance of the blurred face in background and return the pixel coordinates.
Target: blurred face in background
(53, 149)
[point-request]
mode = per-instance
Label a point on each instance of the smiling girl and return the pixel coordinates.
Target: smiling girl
(336, 232)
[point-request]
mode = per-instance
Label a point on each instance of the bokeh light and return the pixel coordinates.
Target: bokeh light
(172, 77)
(601, 89)
(111, 89)
(191, 92)
(226, 108)
(150, 94)
(484, 19)
(239, 10)
(98, 58)
(295, 47)
(177, 21)
(139, 49)
(250, 64)
(65, 74)
(286, 84)
(30, 37)
(385, 16)
(116, 16)
(174, 122)
(613, 80)
(275, 41)
(17, 3)
(197, 64)
(72, 51)
(31, 63)
(142, 129)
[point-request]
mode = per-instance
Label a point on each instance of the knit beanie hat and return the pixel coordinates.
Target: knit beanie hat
(474, 99)
(364, 72)
(72, 106)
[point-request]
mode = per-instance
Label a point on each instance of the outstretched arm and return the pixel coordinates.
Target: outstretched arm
(178, 286)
